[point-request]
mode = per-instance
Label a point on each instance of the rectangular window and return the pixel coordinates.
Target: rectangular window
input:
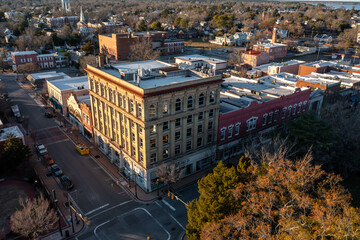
(294, 109)
(152, 142)
(177, 135)
(276, 115)
(141, 144)
(270, 117)
(283, 113)
(165, 139)
(200, 128)
(166, 126)
(189, 119)
(289, 112)
(166, 109)
(189, 132)
(251, 123)
(139, 110)
(140, 129)
(201, 116)
(237, 129)
(188, 145)
(209, 138)
(264, 119)
(199, 142)
(177, 149)
(222, 136)
(230, 131)
(178, 122)
(141, 157)
(132, 151)
(166, 153)
(210, 125)
(133, 137)
(153, 129)
(153, 157)
(211, 113)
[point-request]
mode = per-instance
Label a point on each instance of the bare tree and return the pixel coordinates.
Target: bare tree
(169, 173)
(142, 50)
(34, 218)
(87, 60)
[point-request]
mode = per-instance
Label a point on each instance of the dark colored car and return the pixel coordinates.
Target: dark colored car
(56, 170)
(66, 182)
(49, 115)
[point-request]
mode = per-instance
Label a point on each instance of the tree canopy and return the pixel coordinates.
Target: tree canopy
(15, 152)
(275, 199)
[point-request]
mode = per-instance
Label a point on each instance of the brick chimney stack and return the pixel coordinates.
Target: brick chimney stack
(274, 35)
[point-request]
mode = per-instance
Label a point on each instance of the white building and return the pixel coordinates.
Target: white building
(14, 130)
(60, 90)
(199, 61)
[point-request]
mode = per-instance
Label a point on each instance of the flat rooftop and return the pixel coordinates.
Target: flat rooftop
(23, 53)
(71, 83)
(14, 130)
(237, 93)
(285, 79)
(265, 67)
(270, 45)
(318, 64)
(84, 99)
(49, 75)
(197, 57)
(133, 67)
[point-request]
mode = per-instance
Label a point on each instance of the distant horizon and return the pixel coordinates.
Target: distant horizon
(325, 1)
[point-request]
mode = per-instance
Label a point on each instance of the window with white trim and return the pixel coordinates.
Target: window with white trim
(264, 119)
(153, 129)
(270, 118)
(251, 123)
(178, 105)
(212, 97)
(294, 109)
(289, 111)
(177, 149)
(190, 102)
(299, 109)
(166, 153)
(230, 131)
(201, 99)
(153, 157)
(237, 129)
(166, 109)
(222, 133)
(152, 111)
(139, 110)
(283, 113)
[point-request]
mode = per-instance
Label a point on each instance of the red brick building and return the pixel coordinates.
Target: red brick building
(275, 50)
(87, 119)
(118, 45)
(44, 61)
(255, 58)
(248, 107)
(317, 67)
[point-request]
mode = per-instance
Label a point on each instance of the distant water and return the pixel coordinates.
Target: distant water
(346, 6)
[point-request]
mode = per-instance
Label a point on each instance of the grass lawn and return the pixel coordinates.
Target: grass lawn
(9, 202)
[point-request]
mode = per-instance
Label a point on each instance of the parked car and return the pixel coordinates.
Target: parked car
(41, 149)
(49, 115)
(56, 170)
(66, 182)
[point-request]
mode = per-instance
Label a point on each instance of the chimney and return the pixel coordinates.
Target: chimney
(274, 35)
(101, 60)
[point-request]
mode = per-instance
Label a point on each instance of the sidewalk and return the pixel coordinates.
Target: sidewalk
(113, 171)
(50, 183)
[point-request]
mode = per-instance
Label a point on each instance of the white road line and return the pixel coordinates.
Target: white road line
(168, 204)
(110, 209)
(98, 227)
(135, 209)
(171, 216)
(96, 209)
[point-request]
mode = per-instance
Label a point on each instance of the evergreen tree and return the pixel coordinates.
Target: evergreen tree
(216, 199)
(15, 152)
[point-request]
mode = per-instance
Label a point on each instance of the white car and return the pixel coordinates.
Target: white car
(41, 149)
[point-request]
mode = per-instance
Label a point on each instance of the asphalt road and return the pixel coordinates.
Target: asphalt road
(112, 212)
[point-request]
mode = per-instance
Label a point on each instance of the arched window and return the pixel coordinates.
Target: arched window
(152, 111)
(190, 102)
(178, 105)
(201, 99)
(124, 102)
(212, 97)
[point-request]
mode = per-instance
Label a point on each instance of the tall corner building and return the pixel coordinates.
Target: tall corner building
(150, 112)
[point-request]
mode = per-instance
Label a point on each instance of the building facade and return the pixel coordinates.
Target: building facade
(255, 58)
(275, 50)
(142, 122)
